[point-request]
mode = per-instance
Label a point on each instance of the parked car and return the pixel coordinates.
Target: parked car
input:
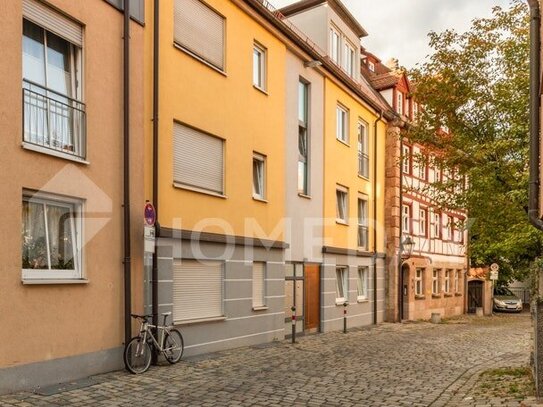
(505, 300)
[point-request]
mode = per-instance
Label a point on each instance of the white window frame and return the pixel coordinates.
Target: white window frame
(406, 218)
(435, 281)
(371, 66)
(303, 132)
(406, 159)
(450, 228)
(422, 167)
(363, 149)
(423, 223)
(349, 61)
(437, 226)
(76, 225)
(259, 190)
(457, 281)
(342, 204)
(259, 300)
(363, 221)
(362, 283)
(342, 124)
(447, 282)
(342, 275)
(260, 72)
(399, 103)
(419, 281)
(335, 45)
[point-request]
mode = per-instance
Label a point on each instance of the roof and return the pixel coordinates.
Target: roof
(338, 7)
(384, 80)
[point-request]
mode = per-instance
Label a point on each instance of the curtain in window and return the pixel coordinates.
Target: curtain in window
(34, 241)
(258, 177)
(59, 225)
(341, 205)
(340, 283)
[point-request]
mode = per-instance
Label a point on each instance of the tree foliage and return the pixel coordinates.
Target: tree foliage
(474, 89)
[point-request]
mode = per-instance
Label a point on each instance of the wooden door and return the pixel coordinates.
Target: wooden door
(475, 296)
(312, 297)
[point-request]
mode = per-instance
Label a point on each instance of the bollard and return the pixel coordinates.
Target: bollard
(293, 309)
(345, 317)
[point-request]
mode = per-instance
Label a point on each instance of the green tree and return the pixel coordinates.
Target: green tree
(474, 89)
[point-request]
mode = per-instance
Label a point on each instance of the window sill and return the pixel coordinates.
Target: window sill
(345, 143)
(262, 308)
(341, 222)
(304, 196)
(341, 301)
(363, 177)
(198, 190)
(258, 199)
(58, 154)
(458, 294)
(420, 297)
(200, 321)
(436, 295)
(448, 294)
(35, 281)
(258, 88)
(362, 299)
(199, 59)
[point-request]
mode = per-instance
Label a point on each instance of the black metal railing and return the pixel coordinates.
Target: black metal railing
(363, 165)
(53, 121)
(363, 237)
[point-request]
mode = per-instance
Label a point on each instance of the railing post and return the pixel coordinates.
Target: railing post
(293, 309)
(345, 317)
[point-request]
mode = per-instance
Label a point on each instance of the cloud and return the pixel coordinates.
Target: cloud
(399, 28)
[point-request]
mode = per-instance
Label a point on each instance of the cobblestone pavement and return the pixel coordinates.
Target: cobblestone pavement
(416, 364)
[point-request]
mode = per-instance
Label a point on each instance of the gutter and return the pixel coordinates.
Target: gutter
(154, 272)
(126, 175)
(535, 66)
(375, 216)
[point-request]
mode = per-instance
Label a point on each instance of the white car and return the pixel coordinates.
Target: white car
(506, 301)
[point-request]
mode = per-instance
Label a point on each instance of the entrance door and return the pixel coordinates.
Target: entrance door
(312, 297)
(475, 296)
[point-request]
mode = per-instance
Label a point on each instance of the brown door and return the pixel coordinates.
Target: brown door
(475, 296)
(312, 297)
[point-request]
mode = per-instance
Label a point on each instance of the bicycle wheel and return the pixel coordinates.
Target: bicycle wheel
(137, 356)
(173, 346)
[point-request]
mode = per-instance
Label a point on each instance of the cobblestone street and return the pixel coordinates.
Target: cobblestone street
(416, 364)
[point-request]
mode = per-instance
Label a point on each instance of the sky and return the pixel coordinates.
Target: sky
(399, 28)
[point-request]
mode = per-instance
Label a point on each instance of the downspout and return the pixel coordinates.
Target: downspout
(375, 216)
(535, 65)
(154, 272)
(126, 176)
(400, 243)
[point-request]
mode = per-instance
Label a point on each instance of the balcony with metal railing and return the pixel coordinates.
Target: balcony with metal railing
(363, 165)
(53, 122)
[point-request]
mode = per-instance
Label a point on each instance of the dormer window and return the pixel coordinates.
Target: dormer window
(399, 103)
(349, 58)
(371, 66)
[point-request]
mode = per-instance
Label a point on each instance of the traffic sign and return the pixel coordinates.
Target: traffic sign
(149, 214)
(493, 275)
(494, 267)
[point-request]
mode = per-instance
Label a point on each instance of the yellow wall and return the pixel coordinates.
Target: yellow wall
(341, 167)
(229, 107)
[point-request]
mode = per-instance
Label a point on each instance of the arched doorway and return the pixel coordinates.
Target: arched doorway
(475, 295)
(405, 292)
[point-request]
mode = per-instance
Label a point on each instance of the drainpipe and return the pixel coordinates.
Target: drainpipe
(400, 245)
(535, 65)
(375, 216)
(154, 273)
(126, 176)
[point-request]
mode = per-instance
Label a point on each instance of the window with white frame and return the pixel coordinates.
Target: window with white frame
(363, 222)
(419, 281)
(198, 160)
(406, 219)
(259, 176)
(406, 159)
(342, 206)
(362, 283)
(349, 59)
(435, 281)
(447, 288)
(259, 66)
(303, 137)
(450, 228)
(422, 167)
(437, 173)
(436, 226)
(259, 284)
(51, 237)
(200, 30)
(363, 156)
(342, 285)
(399, 102)
(342, 124)
(423, 224)
(335, 45)
(457, 281)
(53, 111)
(371, 66)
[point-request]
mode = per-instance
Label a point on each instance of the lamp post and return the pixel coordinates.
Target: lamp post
(406, 247)
(405, 251)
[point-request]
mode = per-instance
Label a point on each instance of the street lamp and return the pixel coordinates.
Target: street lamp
(407, 247)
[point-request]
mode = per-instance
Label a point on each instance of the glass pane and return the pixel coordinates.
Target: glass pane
(34, 242)
(33, 53)
(61, 239)
(302, 102)
(257, 67)
(302, 177)
(59, 76)
(339, 284)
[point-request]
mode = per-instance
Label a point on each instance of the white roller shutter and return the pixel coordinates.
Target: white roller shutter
(197, 159)
(197, 290)
(258, 284)
(52, 21)
(200, 29)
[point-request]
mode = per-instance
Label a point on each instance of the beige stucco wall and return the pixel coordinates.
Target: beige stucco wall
(52, 321)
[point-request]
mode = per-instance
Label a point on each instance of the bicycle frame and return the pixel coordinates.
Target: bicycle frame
(158, 341)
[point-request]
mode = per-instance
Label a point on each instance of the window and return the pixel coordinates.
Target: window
(53, 111)
(197, 290)
(399, 103)
(303, 138)
(437, 226)
(199, 30)
(423, 214)
(437, 174)
(435, 281)
(419, 282)
(335, 41)
(450, 228)
(349, 59)
(363, 223)
(259, 67)
(259, 176)
(457, 281)
(363, 157)
(342, 194)
(362, 284)
(406, 219)
(259, 285)
(406, 159)
(422, 167)
(342, 124)
(198, 160)
(51, 237)
(371, 66)
(448, 281)
(342, 285)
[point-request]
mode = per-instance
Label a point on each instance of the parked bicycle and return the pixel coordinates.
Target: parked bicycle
(168, 341)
